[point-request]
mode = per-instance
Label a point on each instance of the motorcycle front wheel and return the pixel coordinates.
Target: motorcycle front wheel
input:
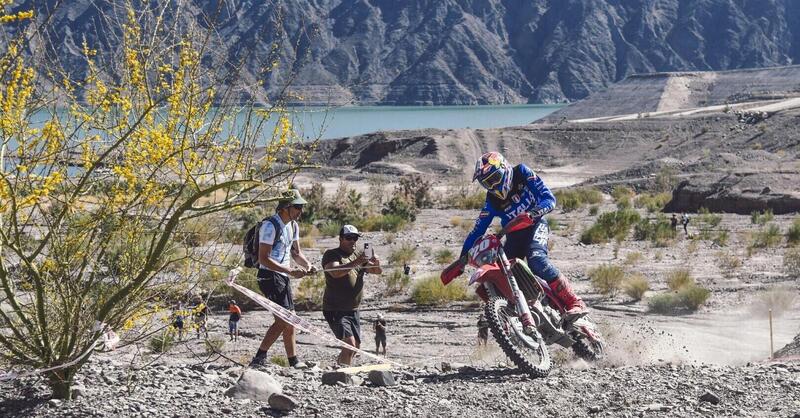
(528, 352)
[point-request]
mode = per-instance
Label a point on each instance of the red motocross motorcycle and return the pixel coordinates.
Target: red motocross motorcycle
(522, 312)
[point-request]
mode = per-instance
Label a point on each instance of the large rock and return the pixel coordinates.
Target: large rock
(281, 402)
(381, 378)
(255, 385)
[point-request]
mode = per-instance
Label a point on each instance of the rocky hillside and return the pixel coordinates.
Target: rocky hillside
(463, 51)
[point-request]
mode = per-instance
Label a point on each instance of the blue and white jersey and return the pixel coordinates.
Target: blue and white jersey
(281, 249)
(528, 191)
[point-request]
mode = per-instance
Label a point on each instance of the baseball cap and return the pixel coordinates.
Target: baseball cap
(349, 230)
(289, 198)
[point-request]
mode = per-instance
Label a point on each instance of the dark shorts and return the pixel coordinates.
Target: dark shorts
(344, 324)
(380, 338)
(530, 244)
(483, 333)
(276, 287)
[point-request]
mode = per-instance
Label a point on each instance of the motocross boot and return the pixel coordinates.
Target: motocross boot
(574, 307)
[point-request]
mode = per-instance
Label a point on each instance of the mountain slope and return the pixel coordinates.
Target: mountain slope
(469, 51)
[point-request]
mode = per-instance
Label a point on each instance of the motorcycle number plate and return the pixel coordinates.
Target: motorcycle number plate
(484, 251)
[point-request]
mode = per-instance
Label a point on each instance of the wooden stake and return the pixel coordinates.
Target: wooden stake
(771, 349)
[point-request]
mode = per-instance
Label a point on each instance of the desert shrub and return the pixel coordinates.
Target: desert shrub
(390, 237)
(658, 256)
(431, 291)
(793, 234)
(728, 263)
(416, 189)
(723, 235)
(163, 342)
(635, 286)
(389, 222)
(396, 282)
(707, 222)
(663, 302)
(690, 297)
(666, 179)
(633, 258)
(308, 230)
(330, 228)
(307, 242)
(474, 200)
(622, 196)
(610, 225)
(401, 206)
(214, 345)
(762, 218)
(767, 237)
(607, 279)
(571, 199)
(779, 300)
(279, 360)
(653, 202)
(310, 291)
(679, 278)
(659, 232)
(693, 296)
(444, 256)
(791, 262)
(403, 254)
(593, 210)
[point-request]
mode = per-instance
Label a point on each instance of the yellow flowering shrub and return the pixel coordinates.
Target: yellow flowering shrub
(103, 178)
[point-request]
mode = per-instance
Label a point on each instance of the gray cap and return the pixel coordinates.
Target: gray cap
(289, 198)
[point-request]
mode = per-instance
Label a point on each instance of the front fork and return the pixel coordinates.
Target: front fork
(519, 297)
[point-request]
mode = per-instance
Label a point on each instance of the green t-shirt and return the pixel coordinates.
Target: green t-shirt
(342, 293)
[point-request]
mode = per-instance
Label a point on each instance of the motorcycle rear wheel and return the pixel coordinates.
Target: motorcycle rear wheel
(528, 352)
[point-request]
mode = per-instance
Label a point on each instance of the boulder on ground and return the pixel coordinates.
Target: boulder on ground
(381, 378)
(332, 378)
(255, 385)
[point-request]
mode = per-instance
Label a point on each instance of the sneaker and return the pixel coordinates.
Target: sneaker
(300, 365)
(258, 361)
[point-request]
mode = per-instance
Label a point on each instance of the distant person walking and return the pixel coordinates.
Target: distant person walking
(685, 222)
(674, 222)
(344, 287)
(278, 245)
(483, 330)
(233, 320)
(178, 320)
(380, 334)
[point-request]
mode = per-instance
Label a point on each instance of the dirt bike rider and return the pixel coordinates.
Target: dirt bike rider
(512, 191)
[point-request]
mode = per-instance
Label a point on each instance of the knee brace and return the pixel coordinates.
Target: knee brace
(541, 266)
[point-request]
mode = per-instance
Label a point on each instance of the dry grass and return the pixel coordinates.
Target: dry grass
(635, 286)
(607, 279)
(728, 263)
(634, 258)
(679, 279)
(431, 291)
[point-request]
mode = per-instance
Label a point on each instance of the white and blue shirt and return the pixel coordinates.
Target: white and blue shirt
(281, 250)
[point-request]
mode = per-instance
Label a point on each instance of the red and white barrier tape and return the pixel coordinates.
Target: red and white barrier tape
(296, 321)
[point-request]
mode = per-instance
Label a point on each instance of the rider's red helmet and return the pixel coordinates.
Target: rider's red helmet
(493, 172)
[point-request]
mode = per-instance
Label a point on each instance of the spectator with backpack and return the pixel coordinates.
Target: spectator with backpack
(278, 244)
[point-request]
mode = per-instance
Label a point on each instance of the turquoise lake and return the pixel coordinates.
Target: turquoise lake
(357, 120)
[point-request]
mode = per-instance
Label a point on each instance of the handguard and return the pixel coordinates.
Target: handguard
(453, 270)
